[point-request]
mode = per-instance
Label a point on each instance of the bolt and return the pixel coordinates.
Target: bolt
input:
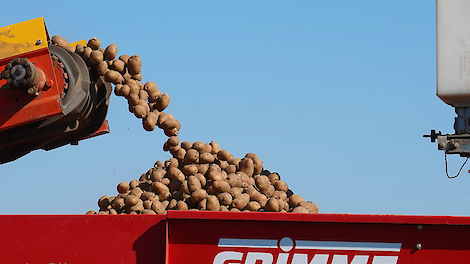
(38, 42)
(442, 145)
(18, 72)
(31, 91)
(419, 246)
(420, 227)
(49, 83)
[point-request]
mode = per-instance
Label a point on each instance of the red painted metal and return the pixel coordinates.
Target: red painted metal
(212, 237)
(198, 234)
(73, 239)
(18, 108)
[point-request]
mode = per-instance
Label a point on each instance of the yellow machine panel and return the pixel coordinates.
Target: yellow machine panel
(23, 37)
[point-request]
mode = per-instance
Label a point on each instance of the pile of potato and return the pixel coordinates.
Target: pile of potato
(199, 176)
(203, 177)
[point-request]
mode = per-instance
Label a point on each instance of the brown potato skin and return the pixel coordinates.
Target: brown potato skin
(212, 203)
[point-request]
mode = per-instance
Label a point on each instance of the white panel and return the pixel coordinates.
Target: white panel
(453, 51)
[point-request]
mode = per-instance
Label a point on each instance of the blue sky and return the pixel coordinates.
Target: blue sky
(333, 95)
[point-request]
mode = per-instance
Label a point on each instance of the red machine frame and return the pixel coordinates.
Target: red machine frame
(256, 238)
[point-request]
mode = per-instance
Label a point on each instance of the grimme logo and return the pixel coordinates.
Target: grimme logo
(288, 251)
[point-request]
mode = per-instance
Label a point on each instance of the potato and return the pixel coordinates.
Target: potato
(118, 65)
(94, 43)
(123, 187)
(243, 196)
(258, 166)
(124, 58)
(220, 186)
(140, 111)
(253, 206)
(158, 164)
(174, 173)
(194, 183)
(214, 175)
(148, 204)
(136, 192)
(162, 102)
(295, 199)
(230, 169)
(235, 180)
(223, 155)
(165, 204)
(206, 158)
(153, 91)
(171, 163)
(280, 195)
(165, 181)
(198, 195)
(104, 202)
(159, 187)
(215, 147)
(186, 145)
(212, 203)
(164, 195)
(235, 162)
(79, 48)
(202, 179)
(239, 203)
(170, 124)
(262, 182)
(134, 65)
(300, 209)
(173, 141)
(180, 153)
(222, 163)
(272, 205)
(181, 205)
(311, 207)
(62, 42)
(225, 198)
(149, 122)
(235, 191)
(174, 149)
(191, 156)
(223, 208)
(145, 196)
(102, 68)
(113, 77)
(189, 169)
(268, 191)
(110, 52)
(251, 156)
(259, 197)
(247, 166)
(148, 211)
(172, 204)
(133, 184)
(86, 54)
(202, 204)
(125, 90)
(281, 186)
(118, 204)
(96, 57)
(274, 177)
(131, 200)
